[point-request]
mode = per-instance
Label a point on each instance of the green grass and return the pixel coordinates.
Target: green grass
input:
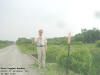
(28, 49)
(96, 54)
(54, 69)
(95, 51)
(3, 46)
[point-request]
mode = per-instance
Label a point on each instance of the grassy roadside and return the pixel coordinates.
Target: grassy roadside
(53, 68)
(3, 46)
(28, 49)
(4, 43)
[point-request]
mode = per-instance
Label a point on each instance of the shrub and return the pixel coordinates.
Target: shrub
(98, 43)
(29, 48)
(80, 60)
(53, 51)
(61, 58)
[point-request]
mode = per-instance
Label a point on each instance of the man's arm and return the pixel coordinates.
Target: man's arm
(36, 40)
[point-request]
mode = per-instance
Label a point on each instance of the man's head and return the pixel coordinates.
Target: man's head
(40, 32)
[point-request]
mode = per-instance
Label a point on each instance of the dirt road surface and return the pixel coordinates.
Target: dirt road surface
(13, 62)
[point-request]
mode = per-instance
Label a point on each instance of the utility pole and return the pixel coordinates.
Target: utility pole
(68, 56)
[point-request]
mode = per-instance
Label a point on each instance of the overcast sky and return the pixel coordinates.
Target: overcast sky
(23, 18)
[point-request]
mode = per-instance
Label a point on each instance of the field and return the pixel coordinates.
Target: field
(53, 68)
(4, 44)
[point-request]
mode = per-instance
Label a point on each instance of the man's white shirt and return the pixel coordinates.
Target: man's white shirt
(41, 42)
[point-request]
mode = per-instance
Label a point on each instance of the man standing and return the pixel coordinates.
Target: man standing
(41, 43)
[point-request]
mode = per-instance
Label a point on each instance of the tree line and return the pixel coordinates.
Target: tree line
(86, 36)
(4, 43)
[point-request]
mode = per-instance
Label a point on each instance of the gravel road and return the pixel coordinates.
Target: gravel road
(13, 62)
